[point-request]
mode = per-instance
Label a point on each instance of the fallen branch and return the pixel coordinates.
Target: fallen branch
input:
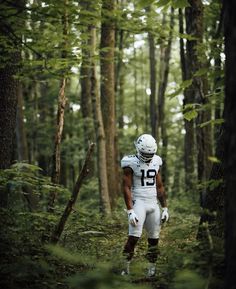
(83, 173)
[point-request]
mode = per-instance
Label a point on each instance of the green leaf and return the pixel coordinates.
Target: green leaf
(189, 115)
(145, 3)
(214, 159)
(187, 36)
(180, 4)
(161, 3)
(185, 84)
(201, 72)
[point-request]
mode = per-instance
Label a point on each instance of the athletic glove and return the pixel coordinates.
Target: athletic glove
(164, 215)
(133, 218)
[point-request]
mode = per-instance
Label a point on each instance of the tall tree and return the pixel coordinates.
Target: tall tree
(165, 54)
(61, 101)
(56, 162)
(199, 88)
(153, 78)
(10, 57)
(100, 133)
(189, 140)
(230, 142)
(85, 71)
(108, 93)
(10, 41)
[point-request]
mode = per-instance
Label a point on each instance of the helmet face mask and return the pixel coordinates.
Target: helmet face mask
(146, 147)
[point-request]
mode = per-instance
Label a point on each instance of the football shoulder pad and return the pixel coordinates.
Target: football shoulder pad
(157, 160)
(128, 161)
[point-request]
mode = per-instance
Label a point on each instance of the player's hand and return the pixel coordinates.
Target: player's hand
(133, 218)
(164, 215)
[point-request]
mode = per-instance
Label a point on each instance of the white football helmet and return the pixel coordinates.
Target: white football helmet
(146, 147)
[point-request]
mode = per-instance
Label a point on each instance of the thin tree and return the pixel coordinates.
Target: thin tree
(56, 162)
(153, 78)
(85, 71)
(189, 140)
(165, 54)
(107, 47)
(100, 133)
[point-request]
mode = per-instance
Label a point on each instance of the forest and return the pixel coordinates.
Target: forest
(80, 81)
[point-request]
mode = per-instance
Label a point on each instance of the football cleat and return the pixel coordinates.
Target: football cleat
(151, 272)
(125, 271)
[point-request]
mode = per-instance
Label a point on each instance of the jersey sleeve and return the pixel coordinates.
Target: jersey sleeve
(126, 162)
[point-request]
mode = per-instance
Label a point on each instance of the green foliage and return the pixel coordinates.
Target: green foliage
(161, 3)
(27, 187)
(187, 279)
(89, 254)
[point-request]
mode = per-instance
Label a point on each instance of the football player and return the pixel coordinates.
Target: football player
(144, 194)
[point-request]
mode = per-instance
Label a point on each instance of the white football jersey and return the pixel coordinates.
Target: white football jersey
(144, 176)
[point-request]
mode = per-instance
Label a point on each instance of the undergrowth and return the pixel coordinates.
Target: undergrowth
(89, 253)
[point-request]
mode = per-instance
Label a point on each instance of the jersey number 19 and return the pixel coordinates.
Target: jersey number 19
(148, 177)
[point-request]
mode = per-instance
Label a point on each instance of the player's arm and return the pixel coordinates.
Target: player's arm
(127, 183)
(161, 195)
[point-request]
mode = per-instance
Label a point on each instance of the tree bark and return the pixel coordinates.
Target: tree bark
(189, 139)
(105, 206)
(85, 74)
(199, 89)
(230, 142)
(60, 124)
(108, 95)
(10, 57)
(56, 161)
(163, 80)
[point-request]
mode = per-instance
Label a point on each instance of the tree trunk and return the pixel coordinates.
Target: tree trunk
(100, 133)
(153, 79)
(189, 139)
(120, 79)
(85, 77)
(60, 124)
(108, 95)
(230, 143)
(56, 161)
(199, 89)
(163, 80)
(10, 57)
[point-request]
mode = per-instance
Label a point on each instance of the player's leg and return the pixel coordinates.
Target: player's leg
(135, 233)
(152, 225)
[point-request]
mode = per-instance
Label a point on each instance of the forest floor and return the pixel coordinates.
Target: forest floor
(97, 243)
(89, 253)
